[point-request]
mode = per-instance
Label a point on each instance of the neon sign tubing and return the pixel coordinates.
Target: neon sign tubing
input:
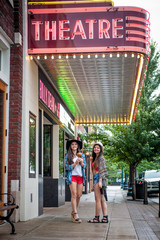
(69, 2)
(136, 87)
(88, 9)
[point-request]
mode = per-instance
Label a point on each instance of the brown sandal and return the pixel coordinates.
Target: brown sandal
(72, 215)
(75, 220)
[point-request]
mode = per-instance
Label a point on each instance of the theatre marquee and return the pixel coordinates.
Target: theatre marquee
(96, 55)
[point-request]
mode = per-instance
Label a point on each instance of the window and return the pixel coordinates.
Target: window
(61, 153)
(1, 139)
(32, 146)
(11, 2)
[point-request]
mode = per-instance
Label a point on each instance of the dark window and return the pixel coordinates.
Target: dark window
(40, 142)
(32, 146)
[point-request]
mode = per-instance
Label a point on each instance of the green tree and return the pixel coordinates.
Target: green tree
(141, 140)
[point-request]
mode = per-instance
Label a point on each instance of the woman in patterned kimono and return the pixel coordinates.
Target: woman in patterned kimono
(99, 180)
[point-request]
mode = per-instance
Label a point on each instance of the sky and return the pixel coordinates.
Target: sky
(153, 7)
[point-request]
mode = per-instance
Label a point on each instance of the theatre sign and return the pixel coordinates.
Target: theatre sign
(85, 40)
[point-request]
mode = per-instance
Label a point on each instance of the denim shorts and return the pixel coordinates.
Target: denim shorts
(95, 178)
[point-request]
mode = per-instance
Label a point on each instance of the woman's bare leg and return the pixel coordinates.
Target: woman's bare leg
(104, 205)
(73, 189)
(79, 192)
(97, 199)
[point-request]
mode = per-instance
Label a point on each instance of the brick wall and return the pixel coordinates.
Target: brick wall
(15, 105)
(7, 18)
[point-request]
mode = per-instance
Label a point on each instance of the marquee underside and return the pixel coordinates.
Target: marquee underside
(98, 88)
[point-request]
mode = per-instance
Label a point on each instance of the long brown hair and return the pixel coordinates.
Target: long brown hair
(70, 154)
(95, 160)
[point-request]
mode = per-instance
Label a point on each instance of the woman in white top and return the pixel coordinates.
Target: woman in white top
(75, 164)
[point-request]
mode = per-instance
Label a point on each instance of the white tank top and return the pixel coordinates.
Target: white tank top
(77, 171)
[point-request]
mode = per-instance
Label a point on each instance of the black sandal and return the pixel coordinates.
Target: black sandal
(94, 220)
(104, 219)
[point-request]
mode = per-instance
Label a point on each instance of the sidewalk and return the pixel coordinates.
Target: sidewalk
(128, 220)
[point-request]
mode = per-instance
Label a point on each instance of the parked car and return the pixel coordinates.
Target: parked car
(152, 177)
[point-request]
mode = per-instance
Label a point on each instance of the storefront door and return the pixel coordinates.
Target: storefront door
(47, 150)
(2, 135)
(40, 173)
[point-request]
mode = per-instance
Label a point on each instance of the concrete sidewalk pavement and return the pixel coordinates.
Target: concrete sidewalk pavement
(128, 220)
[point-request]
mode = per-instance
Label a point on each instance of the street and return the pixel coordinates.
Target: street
(111, 195)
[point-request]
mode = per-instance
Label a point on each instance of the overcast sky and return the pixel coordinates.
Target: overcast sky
(153, 7)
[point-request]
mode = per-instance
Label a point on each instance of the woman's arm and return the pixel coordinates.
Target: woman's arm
(84, 161)
(102, 168)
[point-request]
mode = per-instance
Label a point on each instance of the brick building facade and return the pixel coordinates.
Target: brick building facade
(15, 106)
(11, 28)
(25, 120)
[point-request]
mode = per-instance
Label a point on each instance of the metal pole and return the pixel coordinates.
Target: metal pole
(89, 174)
(122, 178)
(86, 186)
(130, 182)
(145, 193)
(125, 187)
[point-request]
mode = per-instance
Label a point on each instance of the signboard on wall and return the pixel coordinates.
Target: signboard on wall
(89, 29)
(47, 97)
(50, 99)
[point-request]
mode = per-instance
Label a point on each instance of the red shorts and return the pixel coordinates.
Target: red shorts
(77, 179)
